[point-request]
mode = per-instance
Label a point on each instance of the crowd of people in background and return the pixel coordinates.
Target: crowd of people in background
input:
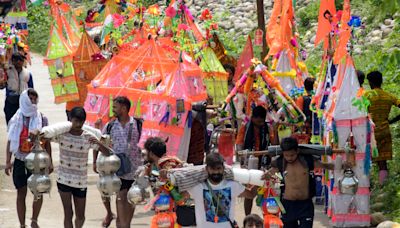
(214, 195)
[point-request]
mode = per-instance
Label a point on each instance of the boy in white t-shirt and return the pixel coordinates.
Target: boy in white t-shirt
(216, 210)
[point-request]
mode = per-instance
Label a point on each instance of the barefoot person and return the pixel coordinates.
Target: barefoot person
(26, 122)
(254, 136)
(299, 183)
(72, 173)
(125, 134)
(381, 104)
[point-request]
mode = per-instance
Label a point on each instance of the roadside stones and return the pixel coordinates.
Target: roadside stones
(377, 218)
(241, 18)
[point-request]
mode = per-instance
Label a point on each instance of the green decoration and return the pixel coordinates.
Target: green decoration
(111, 113)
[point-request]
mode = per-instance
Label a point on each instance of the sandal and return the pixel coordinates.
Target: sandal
(106, 223)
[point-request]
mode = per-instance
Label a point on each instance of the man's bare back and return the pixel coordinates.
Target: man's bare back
(296, 181)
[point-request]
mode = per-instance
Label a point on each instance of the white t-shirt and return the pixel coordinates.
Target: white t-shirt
(226, 193)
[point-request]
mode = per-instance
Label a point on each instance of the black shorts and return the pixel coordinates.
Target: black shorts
(299, 213)
(126, 184)
(20, 174)
(76, 192)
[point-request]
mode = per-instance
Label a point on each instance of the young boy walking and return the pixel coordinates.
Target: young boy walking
(72, 172)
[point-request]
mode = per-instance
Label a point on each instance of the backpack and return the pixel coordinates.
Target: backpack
(139, 124)
(310, 164)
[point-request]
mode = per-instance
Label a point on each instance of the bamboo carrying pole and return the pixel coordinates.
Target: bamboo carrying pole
(309, 149)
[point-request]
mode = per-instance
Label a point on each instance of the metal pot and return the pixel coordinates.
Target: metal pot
(40, 160)
(215, 137)
(108, 164)
(349, 183)
(135, 195)
(39, 183)
(109, 184)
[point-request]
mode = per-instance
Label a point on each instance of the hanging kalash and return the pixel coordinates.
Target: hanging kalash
(166, 199)
(107, 166)
(38, 163)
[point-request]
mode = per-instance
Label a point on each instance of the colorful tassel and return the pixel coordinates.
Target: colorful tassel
(367, 160)
(111, 113)
(335, 133)
(138, 111)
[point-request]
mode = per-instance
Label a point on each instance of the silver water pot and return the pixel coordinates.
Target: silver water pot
(108, 164)
(39, 183)
(215, 136)
(135, 195)
(349, 183)
(109, 184)
(39, 159)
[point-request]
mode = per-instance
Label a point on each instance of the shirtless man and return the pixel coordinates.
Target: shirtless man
(299, 187)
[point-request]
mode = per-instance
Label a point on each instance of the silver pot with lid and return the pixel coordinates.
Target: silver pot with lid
(349, 183)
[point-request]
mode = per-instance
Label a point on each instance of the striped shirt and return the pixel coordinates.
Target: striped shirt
(74, 150)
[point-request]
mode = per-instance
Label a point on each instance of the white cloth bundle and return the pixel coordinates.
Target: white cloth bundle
(246, 176)
(63, 127)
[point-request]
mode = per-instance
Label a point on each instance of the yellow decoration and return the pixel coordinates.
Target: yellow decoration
(96, 15)
(120, 42)
(291, 73)
(302, 66)
(274, 64)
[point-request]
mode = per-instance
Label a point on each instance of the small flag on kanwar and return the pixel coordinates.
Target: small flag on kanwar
(273, 35)
(345, 33)
(326, 10)
(244, 61)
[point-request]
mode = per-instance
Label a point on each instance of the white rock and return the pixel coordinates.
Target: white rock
(357, 50)
(376, 33)
(386, 32)
(388, 224)
(312, 40)
(375, 39)
(388, 21)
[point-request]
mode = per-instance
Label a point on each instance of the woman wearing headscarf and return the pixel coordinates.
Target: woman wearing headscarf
(26, 123)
